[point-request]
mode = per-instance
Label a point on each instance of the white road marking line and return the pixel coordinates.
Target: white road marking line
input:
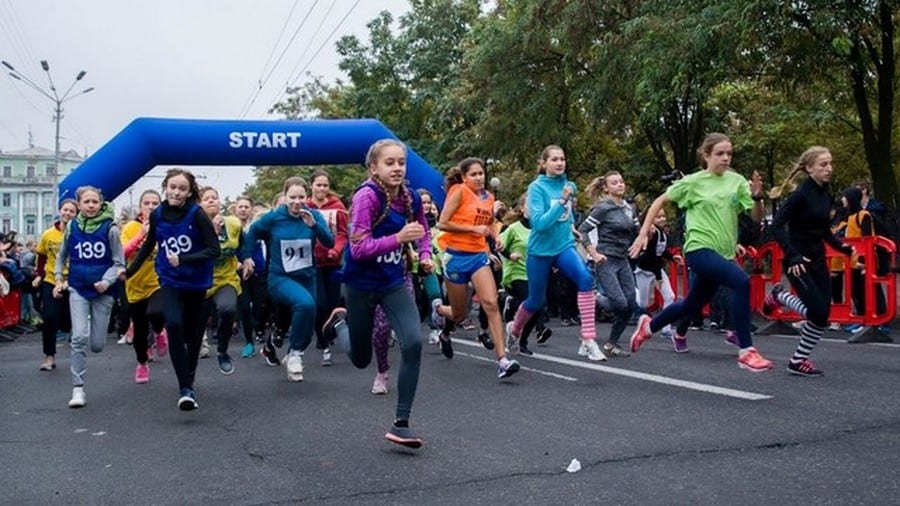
(655, 378)
(836, 340)
(522, 367)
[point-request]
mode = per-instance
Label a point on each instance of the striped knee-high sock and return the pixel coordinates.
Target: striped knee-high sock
(520, 319)
(587, 311)
(809, 337)
(787, 299)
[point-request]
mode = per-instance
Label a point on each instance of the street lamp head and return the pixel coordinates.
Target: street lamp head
(7, 65)
(495, 182)
(15, 76)
(80, 75)
(45, 65)
(88, 90)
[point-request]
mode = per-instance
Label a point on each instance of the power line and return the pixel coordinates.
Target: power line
(271, 54)
(313, 57)
(19, 33)
(280, 56)
(309, 45)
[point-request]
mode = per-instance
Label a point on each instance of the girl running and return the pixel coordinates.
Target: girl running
(551, 198)
(386, 218)
(616, 223)
(54, 311)
(252, 302)
(291, 232)
(468, 222)
(650, 272)
(712, 199)
(187, 246)
(226, 284)
(801, 227)
(94, 253)
(142, 290)
(328, 259)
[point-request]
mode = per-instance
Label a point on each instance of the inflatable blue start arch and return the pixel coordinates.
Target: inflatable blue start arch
(148, 142)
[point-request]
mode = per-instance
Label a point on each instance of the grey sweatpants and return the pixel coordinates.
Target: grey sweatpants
(90, 320)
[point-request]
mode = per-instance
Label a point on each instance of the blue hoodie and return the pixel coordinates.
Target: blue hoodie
(551, 222)
(290, 242)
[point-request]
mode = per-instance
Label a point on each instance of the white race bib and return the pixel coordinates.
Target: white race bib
(296, 254)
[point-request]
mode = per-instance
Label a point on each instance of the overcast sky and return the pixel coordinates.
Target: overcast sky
(165, 58)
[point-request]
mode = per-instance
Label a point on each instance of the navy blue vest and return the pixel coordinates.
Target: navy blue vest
(179, 238)
(89, 258)
(388, 270)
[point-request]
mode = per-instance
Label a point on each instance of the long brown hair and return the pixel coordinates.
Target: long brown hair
(801, 165)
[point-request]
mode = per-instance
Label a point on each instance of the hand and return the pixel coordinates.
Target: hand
(797, 270)
(426, 266)
(247, 268)
(567, 192)
(58, 290)
(639, 245)
(121, 275)
(173, 260)
(598, 257)
(307, 218)
(332, 254)
(411, 232)
(740, 250)
(495, 262)
(756, 184)
(515, 257)
(482, 230)
(498, 244)
(101, 286)
(145, 227)
(678, 259)
(36, 282)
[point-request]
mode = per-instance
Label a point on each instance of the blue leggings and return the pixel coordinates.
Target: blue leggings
(298, 295)
(709, 270)
(569, 262)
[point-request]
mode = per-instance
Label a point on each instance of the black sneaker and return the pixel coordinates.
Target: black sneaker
(260, 337)
(278, 338)
(226, 367)
(524, 350)
(770, 304)
(485, 339)
(188, 400)
(544, 334)
(268, 352)
(446, 345)
(804, 368)
(403, 436)
(328, 328)
(613, 350)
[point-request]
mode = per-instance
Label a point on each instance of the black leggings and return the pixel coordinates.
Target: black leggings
(56, 316)
(183, 312)
(252, 304)
(145, 314)
(814, 289)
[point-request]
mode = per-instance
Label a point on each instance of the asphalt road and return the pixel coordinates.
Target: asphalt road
(656, 428)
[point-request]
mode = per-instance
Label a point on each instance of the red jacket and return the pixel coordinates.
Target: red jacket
(336, 216)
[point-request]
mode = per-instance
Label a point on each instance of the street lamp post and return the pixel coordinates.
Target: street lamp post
(57, 110)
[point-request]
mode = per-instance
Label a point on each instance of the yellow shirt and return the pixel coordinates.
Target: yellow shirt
(225, 267)
(144, 282)
(49, 246)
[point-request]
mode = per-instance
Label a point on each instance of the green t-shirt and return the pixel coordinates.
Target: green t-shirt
(712, 204)
(515, 240)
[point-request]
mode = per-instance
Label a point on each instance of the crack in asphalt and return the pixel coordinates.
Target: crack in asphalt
(887, 427)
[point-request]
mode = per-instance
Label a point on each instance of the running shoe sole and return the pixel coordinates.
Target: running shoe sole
(512, 369)
(187, 403)
(407, 442)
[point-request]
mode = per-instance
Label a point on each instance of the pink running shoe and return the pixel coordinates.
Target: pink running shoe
(162, 343)
(752, 361)
(142, 374)
(641, 333)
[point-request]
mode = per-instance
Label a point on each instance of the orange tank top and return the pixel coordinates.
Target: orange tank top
(472, 211)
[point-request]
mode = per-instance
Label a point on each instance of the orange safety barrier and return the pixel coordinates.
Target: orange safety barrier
(769, 272)
(764, 266)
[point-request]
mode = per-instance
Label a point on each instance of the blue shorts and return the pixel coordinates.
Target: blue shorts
(460, 265)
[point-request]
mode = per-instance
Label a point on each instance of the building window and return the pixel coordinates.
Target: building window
(7, 171)
(29, 171)
(30, 225)
(50, 171)
(7, 200)
(30, 200)
(47, 221)
(47, 197)
(7, 224)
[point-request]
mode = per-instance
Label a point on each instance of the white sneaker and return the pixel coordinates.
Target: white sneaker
(294, 365)
(122, 339)
(204, 347)
(78, 400)
(326, 357)
(512, 341)
(589, 348)
(380, 385)
(434, 337)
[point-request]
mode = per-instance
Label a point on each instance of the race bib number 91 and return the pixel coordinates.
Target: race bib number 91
(296, 254)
